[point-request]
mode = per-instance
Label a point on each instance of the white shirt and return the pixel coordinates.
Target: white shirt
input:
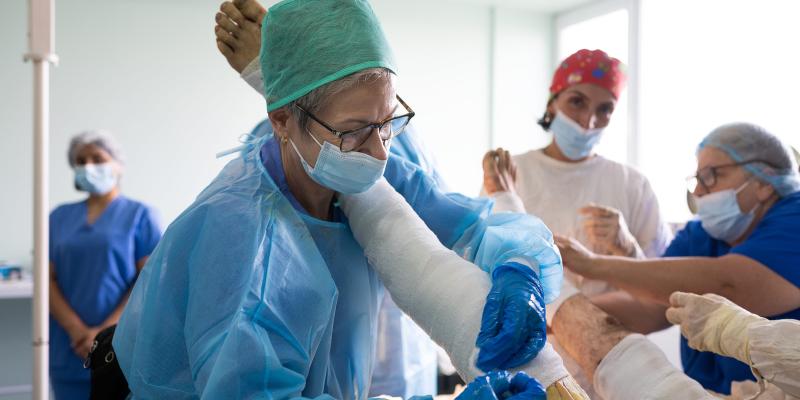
(554, 191)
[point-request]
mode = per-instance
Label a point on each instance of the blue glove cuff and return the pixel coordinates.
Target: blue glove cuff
(508, 267)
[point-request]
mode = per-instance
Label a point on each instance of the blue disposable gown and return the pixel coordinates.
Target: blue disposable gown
(246, 297)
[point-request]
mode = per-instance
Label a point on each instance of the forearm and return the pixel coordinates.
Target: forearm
(656, 279)
(62, 311)
(640, 316)
(586, 332)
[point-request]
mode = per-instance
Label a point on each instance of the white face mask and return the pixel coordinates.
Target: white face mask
(96, 178)
(721, 216)
(572, 139)
(348, 173)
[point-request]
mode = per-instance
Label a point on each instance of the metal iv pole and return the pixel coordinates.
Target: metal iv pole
(41, 38)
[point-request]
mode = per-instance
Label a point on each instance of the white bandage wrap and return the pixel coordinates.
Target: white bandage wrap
(636, 369)
(443, 293)
(507, 202)
(252, 75)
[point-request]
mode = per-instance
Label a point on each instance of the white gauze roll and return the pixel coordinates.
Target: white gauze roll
(443, 293)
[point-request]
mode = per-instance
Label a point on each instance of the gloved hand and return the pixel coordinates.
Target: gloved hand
(513, 327)
(498, 385)
(712, 323)
(607, 232)
(499, 172)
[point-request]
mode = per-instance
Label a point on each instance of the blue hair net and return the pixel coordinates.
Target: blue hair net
(307, 44)
(775, 163)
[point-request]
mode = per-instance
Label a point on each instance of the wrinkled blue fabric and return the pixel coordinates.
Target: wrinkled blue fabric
(246, 296)
(408, 146)
(514, 312)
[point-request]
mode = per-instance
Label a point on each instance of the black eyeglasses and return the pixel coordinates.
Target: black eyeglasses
(707, 177)
(354, 138)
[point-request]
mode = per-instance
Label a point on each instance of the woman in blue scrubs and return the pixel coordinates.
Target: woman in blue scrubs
(97, 248)
(745, 245)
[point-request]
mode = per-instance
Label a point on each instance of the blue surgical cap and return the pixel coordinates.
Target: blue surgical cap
(309, 43)
(98, 137)
(775, 164)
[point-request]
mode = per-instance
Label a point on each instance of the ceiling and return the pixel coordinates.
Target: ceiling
(546, 6)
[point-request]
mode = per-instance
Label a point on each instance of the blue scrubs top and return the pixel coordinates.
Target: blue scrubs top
(773, 243)
(95, 266)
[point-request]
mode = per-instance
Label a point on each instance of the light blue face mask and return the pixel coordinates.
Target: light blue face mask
(95, 178)
(721, 216)
(572, 139)
(349, 173)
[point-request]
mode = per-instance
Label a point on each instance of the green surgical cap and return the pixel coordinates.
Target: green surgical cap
(306, 44)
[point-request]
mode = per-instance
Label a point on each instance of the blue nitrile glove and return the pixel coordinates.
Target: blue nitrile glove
(524, 387)
(500, 385)
(513, 326)
(491, 386)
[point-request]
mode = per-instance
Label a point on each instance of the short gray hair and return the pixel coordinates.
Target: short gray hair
(98, 137)
(315, 100)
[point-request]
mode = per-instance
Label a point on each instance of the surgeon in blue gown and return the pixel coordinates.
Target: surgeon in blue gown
(97, 247)
(259, 290)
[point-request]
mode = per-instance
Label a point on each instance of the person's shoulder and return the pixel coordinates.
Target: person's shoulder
(627, 171)
(66, 208)
(534, 155)
(135, 204)
(786, 210)
(694, 227)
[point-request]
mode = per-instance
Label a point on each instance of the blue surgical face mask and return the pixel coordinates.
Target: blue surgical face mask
(721, 216)
(348, 173)
(572, 139)
(95, 178)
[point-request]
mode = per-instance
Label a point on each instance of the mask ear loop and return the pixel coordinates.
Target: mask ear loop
(744, 185)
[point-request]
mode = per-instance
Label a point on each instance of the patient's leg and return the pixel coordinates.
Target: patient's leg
(586, 332)
(622, 364)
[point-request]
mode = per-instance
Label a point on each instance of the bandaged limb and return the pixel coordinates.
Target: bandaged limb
(622, 365)
(443, 293)
(637, 369)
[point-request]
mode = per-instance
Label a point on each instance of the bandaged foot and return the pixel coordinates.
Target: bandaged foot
(238, 32)
(442, 292)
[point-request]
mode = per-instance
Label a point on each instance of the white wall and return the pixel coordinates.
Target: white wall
(150, 72)
(523, 66)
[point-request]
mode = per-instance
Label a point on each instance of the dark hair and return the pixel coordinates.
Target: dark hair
(547, 118)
